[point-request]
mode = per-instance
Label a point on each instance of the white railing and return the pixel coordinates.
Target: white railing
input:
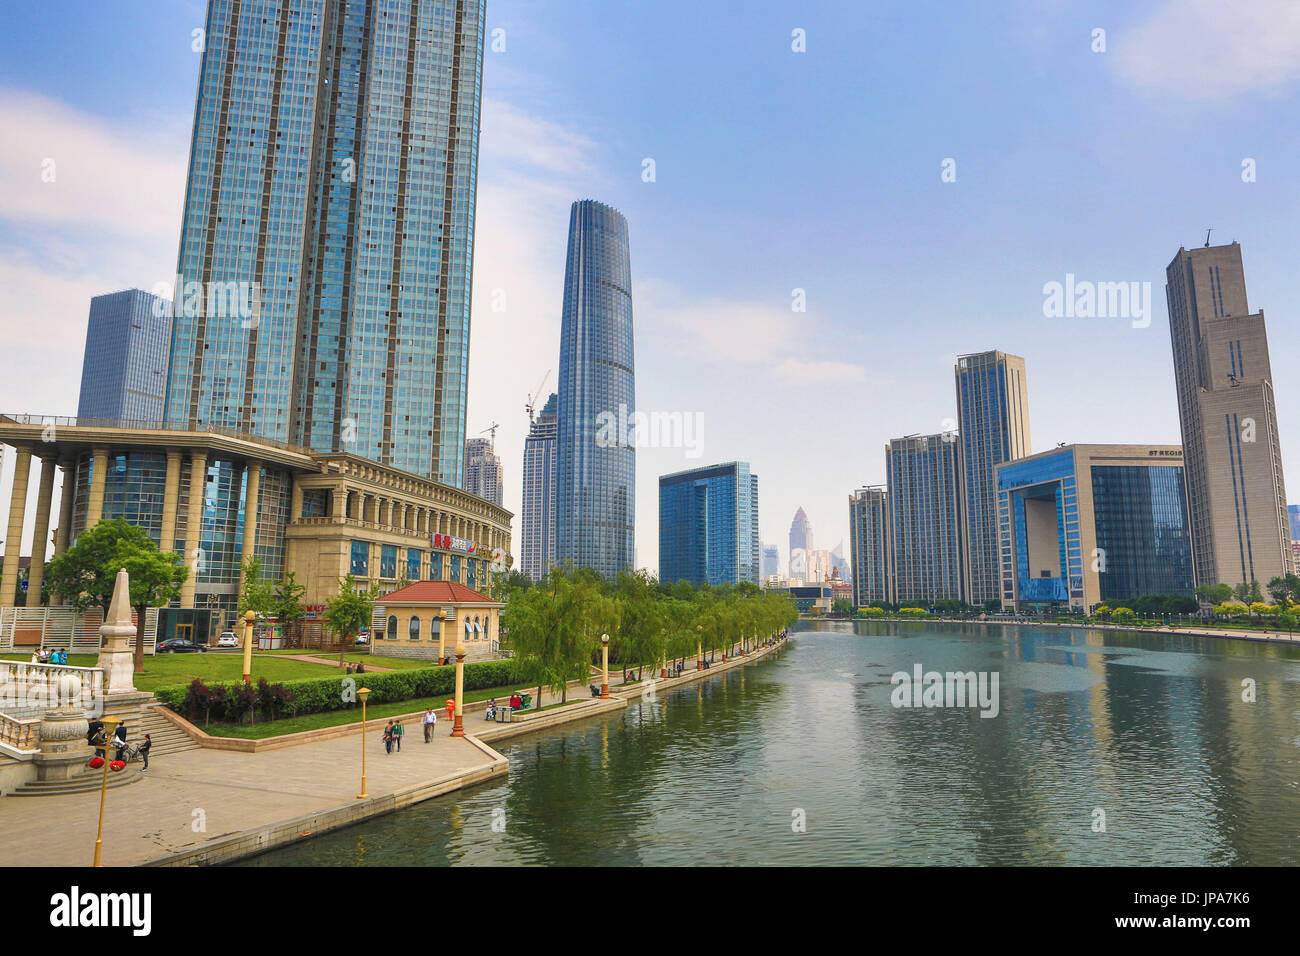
(30, 689)
(20, 737)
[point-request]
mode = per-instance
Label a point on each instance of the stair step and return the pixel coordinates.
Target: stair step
(86, 784)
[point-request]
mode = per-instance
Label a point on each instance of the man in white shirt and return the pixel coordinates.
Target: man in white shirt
(430, 718)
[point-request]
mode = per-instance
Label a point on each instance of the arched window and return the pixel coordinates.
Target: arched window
(487, 627)
(392, 627)
(415, 627)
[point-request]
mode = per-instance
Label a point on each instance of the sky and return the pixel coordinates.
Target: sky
(912, 175)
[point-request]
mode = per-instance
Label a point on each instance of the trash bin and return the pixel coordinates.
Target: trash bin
(503, 714)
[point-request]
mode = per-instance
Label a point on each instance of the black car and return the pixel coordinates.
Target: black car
(179, 645)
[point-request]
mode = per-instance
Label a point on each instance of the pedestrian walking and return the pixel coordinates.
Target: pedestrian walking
(399, 732)
(119, 740)
(144, 751)
(430, 721)
(388, 738)
(95, 736)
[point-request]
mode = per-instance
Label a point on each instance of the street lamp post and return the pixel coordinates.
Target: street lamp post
(441, 622)
(110, 725)
(249, 617)
(604, 666)
(363, 693)
(699, 647)
(458, 728)
(663, 671)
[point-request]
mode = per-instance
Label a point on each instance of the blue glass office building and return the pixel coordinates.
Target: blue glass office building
(323, 287)
(708, 525)
(124, 371)
(1090, 523)
(596, 450)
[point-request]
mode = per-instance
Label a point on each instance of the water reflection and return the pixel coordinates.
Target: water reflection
(1151, 729)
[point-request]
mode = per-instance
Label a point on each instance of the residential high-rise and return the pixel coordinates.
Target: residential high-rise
(595, 501)
(708, 525)
(771, 562)
(124, 371)
(1235, 493)
(925, 518)
(801, 545)
(993, 427)
(537, 515)
(323, 277)
(483, 475)
(1293, 512)
(869, 545)
(1086, 523)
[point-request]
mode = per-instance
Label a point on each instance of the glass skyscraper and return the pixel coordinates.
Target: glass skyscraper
(924, 518)
(595, 498)
(869, 543)
(708, 525)
(323, 278)
(124, 371)
(992, 427)
(537, 518)
(483, 470)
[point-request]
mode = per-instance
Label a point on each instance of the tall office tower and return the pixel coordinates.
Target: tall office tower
(925, 518)
(801, 545)
(771, 562)
(483, 475)
(595, 501)
(708, 525)
(124, 371)
(1088, 523)
(537, 516)
(323, 278)
(869, 544)
(1293, 513)
(1235, 494)
(993, 427)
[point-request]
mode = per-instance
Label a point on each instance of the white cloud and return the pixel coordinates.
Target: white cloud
(797, 372)
(1212, 50)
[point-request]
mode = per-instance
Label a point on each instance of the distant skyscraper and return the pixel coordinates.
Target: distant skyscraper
(1087, 523)
(1235, 494)
(323, 291)
(537, 518)
(924, 518)
(801, 545)
(771, 561)
(595, 502)
(869, 545)
(483, 474)
(993, 427)
(708, 525)
(124, 372)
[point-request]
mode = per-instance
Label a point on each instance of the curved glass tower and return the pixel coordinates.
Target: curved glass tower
(595, 497)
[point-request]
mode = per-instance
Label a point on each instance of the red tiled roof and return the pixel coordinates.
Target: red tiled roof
(435, 592)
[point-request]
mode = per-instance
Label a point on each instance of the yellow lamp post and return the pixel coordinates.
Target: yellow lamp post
(249, 618)
(663, 671)
(458, 727)
(604, 666)
(699, 647)
(363, 693)
(110, 725)
(441, 621)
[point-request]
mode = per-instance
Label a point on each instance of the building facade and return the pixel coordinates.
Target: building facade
(537, 513)
(926, 542)
(1235, 493)
(708, 525)
(595, 501)
(992, 427)
(483, 475)
(1088, 523)
(124, 370)
(323, 277)
(869, 541)
(801, 546)
(771, 562)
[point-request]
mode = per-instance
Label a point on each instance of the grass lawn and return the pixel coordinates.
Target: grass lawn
(178, 670)
(334, 718)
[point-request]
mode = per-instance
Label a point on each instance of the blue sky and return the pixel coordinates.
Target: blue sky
(775, 171)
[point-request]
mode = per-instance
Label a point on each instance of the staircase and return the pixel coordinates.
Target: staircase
(87, 782)
(167, 737)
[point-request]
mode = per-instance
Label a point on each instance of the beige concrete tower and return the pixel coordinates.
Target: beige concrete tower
(1236, 497)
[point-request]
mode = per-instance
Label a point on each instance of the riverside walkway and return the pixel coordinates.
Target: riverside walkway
(210, 806)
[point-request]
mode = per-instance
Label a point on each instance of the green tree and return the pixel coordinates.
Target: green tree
(549, 629)
(843, 606)
(287, 602)
(1215, 593)
(1249, 593)
(350, 611)
(85, 574)
(258, 593)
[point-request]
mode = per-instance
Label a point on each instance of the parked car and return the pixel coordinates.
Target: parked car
(228, 639)
(179, 645)
(362, 638)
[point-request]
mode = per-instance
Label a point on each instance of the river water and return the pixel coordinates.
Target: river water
(1107, 748)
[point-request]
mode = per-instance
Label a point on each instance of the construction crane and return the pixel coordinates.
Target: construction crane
(493, 429)
(532, 399)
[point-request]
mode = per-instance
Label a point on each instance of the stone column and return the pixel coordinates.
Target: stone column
(68, 493)
(361, 506)
(194, 523)
(171, 496)
(41, 533)
(339, 503)
(295, 501)
(253, 487)
(14, 537)
(98, 480)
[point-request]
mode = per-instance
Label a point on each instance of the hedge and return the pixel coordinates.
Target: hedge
(323, 694)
